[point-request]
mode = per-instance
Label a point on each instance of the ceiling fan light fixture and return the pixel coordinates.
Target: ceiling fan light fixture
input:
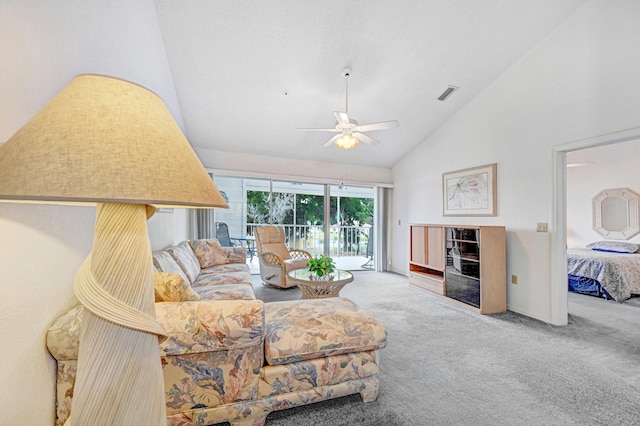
(348, 132)
(346, 141)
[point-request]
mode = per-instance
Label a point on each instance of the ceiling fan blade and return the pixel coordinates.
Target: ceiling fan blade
(378, 126)
(332, 140)
(366, 139)
(318, 130)
(342, 118)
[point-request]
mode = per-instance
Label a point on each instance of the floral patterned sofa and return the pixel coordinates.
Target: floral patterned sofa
(239, 359)
(212, 271)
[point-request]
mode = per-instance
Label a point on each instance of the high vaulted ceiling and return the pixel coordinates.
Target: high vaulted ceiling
(248, 73)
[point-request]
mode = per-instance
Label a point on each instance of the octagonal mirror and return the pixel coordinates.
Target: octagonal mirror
(615, 213)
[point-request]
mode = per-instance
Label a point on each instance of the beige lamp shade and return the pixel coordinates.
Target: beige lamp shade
(102, 139)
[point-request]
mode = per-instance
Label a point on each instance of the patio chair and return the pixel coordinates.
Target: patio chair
(276, 260)
(222, 235)
(369, 263)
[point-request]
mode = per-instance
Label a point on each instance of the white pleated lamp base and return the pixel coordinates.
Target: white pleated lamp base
(119, 379)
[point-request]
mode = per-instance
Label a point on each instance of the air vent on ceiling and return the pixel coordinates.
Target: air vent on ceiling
(448, 91)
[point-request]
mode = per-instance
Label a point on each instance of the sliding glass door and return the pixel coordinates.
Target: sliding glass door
(352, 213)
(298, 207)
(333, 220)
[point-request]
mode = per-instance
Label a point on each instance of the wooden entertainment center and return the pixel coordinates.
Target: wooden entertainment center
(466, 264)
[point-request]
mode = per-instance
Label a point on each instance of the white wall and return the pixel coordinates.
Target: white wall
(285, 168)
(612, 166)
(581, 81)
(168, 228)
(44, 44)
(40, 249)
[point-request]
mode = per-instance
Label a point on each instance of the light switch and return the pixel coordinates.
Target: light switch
(542, 227)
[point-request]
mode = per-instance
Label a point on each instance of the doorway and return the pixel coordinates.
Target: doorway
(559, 294)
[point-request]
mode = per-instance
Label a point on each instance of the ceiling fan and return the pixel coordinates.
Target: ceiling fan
(350, 133)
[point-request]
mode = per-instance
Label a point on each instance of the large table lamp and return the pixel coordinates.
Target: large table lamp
(107, 142)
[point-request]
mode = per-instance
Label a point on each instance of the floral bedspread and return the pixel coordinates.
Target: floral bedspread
(618, 273)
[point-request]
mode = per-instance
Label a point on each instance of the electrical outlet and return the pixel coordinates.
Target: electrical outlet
(514, 279)
(542, 227)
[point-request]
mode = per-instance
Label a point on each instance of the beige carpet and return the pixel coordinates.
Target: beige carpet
(445, 365)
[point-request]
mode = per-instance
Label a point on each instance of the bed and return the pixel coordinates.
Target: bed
(603, 272)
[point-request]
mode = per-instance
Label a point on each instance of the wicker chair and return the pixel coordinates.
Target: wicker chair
(276, 260)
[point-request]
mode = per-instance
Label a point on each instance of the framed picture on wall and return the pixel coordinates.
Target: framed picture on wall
(470, 192)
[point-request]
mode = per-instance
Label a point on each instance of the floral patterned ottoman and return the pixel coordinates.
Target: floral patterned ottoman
(314, 350)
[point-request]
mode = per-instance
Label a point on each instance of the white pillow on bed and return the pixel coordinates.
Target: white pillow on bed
(614, 246)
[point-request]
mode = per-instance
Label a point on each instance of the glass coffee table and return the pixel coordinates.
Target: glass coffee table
(313, 288)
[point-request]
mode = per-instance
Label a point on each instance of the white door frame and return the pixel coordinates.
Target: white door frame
(559, 298)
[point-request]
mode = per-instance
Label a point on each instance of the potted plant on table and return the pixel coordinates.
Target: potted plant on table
(322, 267)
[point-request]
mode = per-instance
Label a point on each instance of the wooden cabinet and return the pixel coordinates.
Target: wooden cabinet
(427, 264)
(466, 264)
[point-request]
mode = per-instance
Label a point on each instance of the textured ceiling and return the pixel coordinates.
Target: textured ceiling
(248, 73)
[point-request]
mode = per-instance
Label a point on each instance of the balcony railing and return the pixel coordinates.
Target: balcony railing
(343, 240)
